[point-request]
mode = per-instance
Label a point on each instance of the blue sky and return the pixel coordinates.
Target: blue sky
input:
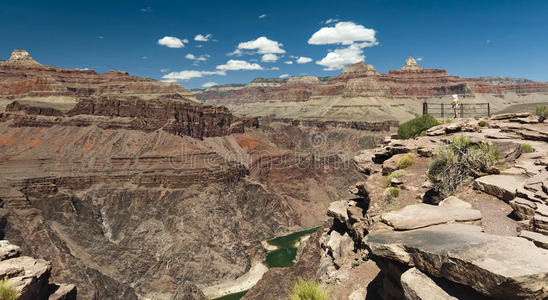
(468, 38)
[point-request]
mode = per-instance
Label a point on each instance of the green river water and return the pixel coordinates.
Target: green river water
(280, 258)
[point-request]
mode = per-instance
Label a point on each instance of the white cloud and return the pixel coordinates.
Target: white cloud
(202, 38)
(345, 33)
(100, 37)
(262, 16)
(262, 45)
(288, 62)
(303, 60)
(202, 57)
(144, 57)
(189, 74)
(284, 75)
(274, 68)
(419, 59)
(172, 42)
(269, 57)
(164, 70)
(331, 21)
(146, 9)
(209, 84)
(234, 65)
(338, 58)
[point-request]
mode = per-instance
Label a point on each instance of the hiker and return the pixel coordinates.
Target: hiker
(455, 105)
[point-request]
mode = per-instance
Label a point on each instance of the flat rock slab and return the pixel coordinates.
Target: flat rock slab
(423, 215)
(501, 186)
(497, 266)
(538, 239)
(418, 286)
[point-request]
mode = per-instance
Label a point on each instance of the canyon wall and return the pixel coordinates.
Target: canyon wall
(362, 94)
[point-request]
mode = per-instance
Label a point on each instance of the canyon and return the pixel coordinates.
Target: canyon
(361, 94)
(132, 188)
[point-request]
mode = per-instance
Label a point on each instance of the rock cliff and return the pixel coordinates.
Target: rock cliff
(360, 93)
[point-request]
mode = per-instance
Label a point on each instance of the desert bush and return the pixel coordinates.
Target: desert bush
(542, 111)
(482, 123)
(460, 161)
(391, 193)
(526, 148)
(415, 127)
(395, 174)
(406, 161)
(307, 290)
(7, 291)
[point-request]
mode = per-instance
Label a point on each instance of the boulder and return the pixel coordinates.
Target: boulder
(337, 210)
(390, 165)
(463, 254)
(340, 245)
(8, 250)
(453, 201)
(418, 286)
(423, 215)
(501, 186)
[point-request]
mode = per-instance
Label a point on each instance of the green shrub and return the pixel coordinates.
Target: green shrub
(406, 161)
(395, 174)
(482, 123)
(307, 290)
(542, 111)
(460, 161)
(7, 291)
(526, 148)
(413, 128)
(391, 193)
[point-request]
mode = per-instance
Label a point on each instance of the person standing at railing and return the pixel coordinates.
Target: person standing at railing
(455, 105)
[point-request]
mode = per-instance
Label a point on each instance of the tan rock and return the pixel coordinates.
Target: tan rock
(453, 201)
(501, 186)
(538, 239)
(423, 215)
(463, 254)
(418, 286)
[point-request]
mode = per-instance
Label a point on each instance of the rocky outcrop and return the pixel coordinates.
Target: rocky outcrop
(30, 277)
(466, 246)
(490, 267)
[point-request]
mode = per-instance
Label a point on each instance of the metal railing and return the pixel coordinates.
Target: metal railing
(464, 110)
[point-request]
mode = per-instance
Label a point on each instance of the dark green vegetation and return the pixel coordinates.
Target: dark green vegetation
(406, 161)
(542, 111)
(7, 291)
(307, 290)
(460, 161)
(482, 123)
(235, 296)
(526, 148)
(415, 127)
(391, 193)
(286, 252)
